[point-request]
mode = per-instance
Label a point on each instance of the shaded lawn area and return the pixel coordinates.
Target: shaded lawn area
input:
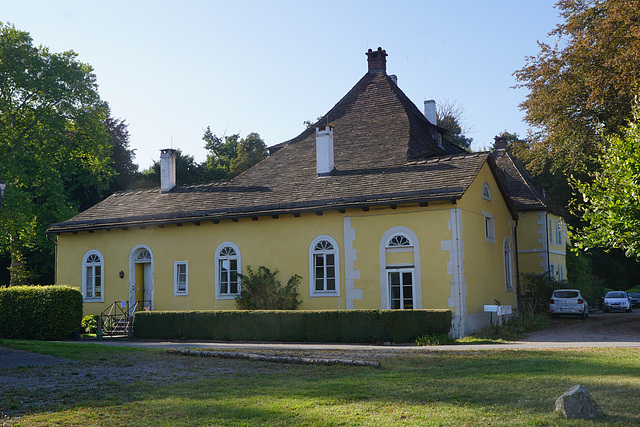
(414, 388)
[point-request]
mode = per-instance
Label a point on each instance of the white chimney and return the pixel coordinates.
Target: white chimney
(167, 169)
(324, 150)
(430, 111)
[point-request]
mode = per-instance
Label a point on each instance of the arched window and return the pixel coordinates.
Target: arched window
(486, 192)
(508, 272)
(399, 241)
(400, 281)
(143, 256)
(324, 267)
(92, 276)
(227, 266)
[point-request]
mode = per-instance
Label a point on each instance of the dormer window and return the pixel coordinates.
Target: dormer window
(486, 192)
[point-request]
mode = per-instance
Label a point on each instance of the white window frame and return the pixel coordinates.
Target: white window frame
(218, 272)
(486, 191)
(396, 243)
(559, 232)
(312, 267)
(508, 265)
(402, 271)
(176, 278)
(489, 227)
(550, 231)
(560, 273)
(85, 284)
(552, 271)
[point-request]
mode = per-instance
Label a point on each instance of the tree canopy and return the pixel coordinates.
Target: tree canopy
(54, 147)
(610, 202)
(582, 87)
(450, 117)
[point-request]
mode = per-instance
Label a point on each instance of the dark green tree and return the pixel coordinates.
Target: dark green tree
(261, 290)
(188, 171)
(450, 117)
(122, 156)
(54, 147)
(251, 150)
(222, 150)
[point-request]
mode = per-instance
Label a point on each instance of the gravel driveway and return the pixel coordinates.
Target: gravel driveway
(599, 327)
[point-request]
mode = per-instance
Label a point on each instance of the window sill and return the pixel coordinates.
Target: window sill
(227, 296)
(325, 294)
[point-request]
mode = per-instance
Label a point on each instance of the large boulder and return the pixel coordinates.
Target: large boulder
(577, 403)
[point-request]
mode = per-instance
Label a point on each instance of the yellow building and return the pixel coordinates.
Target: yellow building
(542, 233)
(373, 207)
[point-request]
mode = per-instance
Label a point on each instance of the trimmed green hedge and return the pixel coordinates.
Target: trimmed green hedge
(40, 312)
(287, 325)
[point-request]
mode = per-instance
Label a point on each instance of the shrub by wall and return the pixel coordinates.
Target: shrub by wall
(40, 312)
(361, 326)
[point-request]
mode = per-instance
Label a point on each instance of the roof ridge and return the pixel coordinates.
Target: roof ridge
(534, 191)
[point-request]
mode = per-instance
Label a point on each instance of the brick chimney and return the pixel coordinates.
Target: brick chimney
(377, 60)
(167, 169)
(500, 143)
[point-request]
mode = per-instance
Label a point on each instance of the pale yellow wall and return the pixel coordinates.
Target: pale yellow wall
(537, 250)
(484, 261)
(283, 243)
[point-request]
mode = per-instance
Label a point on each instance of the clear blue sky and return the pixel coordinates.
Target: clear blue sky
(172, 68)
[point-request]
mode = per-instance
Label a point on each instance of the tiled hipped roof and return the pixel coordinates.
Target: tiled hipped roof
(385, 153)
(523, 190)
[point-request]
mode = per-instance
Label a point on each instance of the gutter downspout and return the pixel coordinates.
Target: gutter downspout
(546, 243)
(515, 238)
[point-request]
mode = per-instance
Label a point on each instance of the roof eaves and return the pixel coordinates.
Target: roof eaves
(442, 194)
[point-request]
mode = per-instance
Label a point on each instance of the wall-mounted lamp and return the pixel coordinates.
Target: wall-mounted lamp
(121, 274)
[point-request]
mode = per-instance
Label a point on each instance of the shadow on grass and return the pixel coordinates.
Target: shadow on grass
(428, 388)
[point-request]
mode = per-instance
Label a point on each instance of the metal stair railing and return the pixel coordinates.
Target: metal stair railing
(115, 320)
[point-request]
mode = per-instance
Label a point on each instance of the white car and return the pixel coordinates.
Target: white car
(568, 301)
(616, 301)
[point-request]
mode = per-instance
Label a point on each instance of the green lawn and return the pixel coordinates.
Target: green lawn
(498, 388)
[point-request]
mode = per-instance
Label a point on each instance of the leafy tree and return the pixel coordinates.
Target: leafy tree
(261, 290)
(610, 203)
(251, 150)
(54, 147)
(450, 117)
(122, 156)
(222, 150)
(580, 275)
(582, 87)
(188, 171)
(230, 155)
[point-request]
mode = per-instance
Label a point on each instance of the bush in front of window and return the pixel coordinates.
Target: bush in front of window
(261, 290)
(354, 326)
(40, 312)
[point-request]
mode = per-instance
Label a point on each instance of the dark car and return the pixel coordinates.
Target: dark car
(635, 299)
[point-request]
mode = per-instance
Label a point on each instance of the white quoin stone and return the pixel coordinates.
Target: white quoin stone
(324, 150)
(430, 111)
(167, 169)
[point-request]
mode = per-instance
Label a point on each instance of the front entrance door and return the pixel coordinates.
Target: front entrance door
(141, 279)
(400, 284)
(139, 283)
